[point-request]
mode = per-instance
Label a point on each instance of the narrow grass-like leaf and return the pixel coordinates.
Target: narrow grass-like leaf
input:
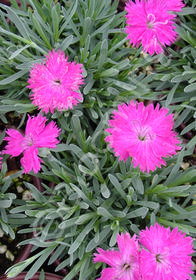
(5, 203)
(140, 212)
(14, 270)
(45, 254)
(41, 31)
(102, 28)
(55, 13)
(75, 245)
(68, 18)
(103, 54)
(187, 177)
(105, 191)
(35, 193)
(190, 88)
(13, 35)
(117, 185)
(66, 43)
(104, 212)
(18, 22)
(124, 85)
(171, 94)
(17, 52)
(56, 253)
(13, 77)
(95, 243)
(138, 185)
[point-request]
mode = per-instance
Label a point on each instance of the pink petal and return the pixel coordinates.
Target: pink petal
(30, 160)
(35, 125)
(109, 274)
(111, 257)
(48, 136)
(127, 246)
(15, 142)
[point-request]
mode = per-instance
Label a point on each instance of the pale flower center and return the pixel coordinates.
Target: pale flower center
(159, 258)
(163, 261)
(144, 133)
(28, 141)
(57, 82)
(151, 21)
(126, 266)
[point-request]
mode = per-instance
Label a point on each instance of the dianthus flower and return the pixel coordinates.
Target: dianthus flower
(55, 83)
(151, 23)
(165, 254)
(38, 134)
(143, 133)
(124, 264)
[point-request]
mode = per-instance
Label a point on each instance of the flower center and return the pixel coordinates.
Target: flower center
(144, 134)
(151, 21)
(57, 82)
(126, 266)
(142, 137)
(159, 258)
(28, 140)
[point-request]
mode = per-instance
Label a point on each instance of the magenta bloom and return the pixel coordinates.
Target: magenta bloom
(55, 83)
(150, 23)
(143, 133)
(165, 255)
(124, 264)
(38, 134)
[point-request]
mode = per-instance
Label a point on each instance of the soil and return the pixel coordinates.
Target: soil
(18, 253)
(9, 249)
(9, 257)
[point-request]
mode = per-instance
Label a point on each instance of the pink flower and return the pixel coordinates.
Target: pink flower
(150, 23)
(124, 264)
(165, 255)
(143, 133)
(38, 134)
(55, 84)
